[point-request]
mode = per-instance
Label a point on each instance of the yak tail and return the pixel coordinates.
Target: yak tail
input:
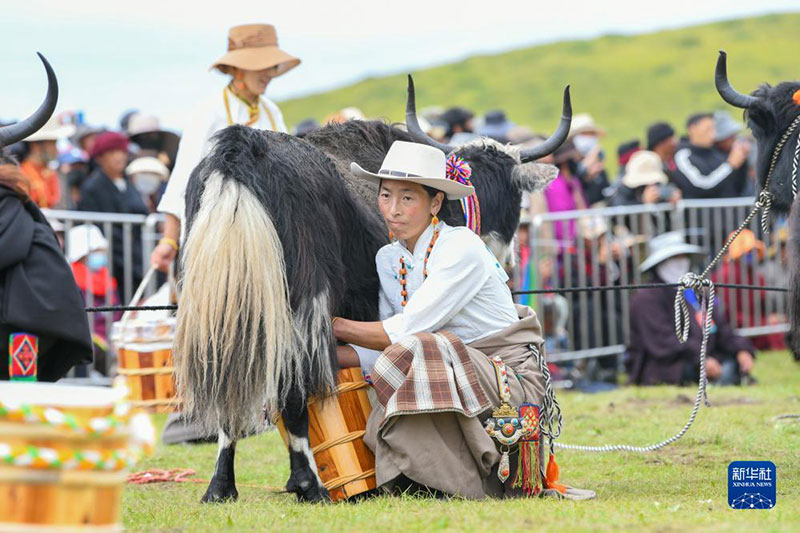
(233, 344)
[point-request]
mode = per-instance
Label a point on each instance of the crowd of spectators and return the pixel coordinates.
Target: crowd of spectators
(72, 165)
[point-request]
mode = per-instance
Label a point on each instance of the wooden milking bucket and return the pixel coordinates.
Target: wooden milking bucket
(144, 351)
(336, 428)
(149, 374)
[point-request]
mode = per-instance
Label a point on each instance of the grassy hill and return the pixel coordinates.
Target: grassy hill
(626, 82)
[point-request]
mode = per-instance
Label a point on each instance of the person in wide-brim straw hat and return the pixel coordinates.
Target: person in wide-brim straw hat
(435, 276)
(253, 59)
(255, 47)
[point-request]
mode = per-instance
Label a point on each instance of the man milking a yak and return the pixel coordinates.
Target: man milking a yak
(289, 273)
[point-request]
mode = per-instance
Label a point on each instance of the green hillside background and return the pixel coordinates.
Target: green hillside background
(625, 82)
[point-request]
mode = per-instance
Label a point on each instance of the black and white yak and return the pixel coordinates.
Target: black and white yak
(773, 115)
(280, 237)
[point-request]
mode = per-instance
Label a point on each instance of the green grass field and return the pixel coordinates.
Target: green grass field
(626, 82)
(682, 487)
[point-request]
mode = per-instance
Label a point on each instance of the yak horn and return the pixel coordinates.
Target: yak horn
(24, 128)
(412, 124)
(557, 139)
(728, 93)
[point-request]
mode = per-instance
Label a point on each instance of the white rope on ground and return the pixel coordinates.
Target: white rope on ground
(706, 289)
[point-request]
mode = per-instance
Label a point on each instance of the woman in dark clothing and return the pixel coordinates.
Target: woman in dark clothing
(656, 356)
(108, 190)
(38, 294)
(39, 300)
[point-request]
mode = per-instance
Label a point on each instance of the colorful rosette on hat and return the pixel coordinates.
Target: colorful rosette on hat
(458, 170)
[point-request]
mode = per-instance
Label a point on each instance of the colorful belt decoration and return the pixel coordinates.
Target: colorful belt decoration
(515, 427)
(23, 355)
(459, 170)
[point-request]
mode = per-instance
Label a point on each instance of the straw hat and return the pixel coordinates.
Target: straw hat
(662, 247)
(255, 47)
(644, 168)
(51, 131)
(415, 163)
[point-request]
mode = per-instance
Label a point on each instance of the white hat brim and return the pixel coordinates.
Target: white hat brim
(52, 134)
(452, 189)
(637, 179)
(670, 251)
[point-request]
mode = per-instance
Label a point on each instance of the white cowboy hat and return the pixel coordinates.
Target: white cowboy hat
(147, 165)
(584, 123)
(662, 247)
(51, 131)
(416, 163)
(644, 168)
(82, 240)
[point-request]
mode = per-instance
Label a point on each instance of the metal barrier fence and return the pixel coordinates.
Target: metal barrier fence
(605, 246)
(128, 227)
(580, 325)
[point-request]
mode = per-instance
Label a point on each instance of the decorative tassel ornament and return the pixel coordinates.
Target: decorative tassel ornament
(504, 468)
(528, 470)
(552, 476)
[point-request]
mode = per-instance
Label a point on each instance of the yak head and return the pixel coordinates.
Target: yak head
(770, 112)
(500, 174)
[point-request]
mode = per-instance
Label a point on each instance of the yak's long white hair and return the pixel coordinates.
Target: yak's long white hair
(234, 345)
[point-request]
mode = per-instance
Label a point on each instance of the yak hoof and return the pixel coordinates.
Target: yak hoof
(220, 493)
(307, 490)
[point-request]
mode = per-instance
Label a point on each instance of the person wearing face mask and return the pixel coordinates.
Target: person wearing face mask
(40, 151)
(585, 136)
(149, 176)
(252, 61)
(87, 254)
(655, 355)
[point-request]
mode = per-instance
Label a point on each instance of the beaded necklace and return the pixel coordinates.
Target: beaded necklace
(253, 110)
(404, 271)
